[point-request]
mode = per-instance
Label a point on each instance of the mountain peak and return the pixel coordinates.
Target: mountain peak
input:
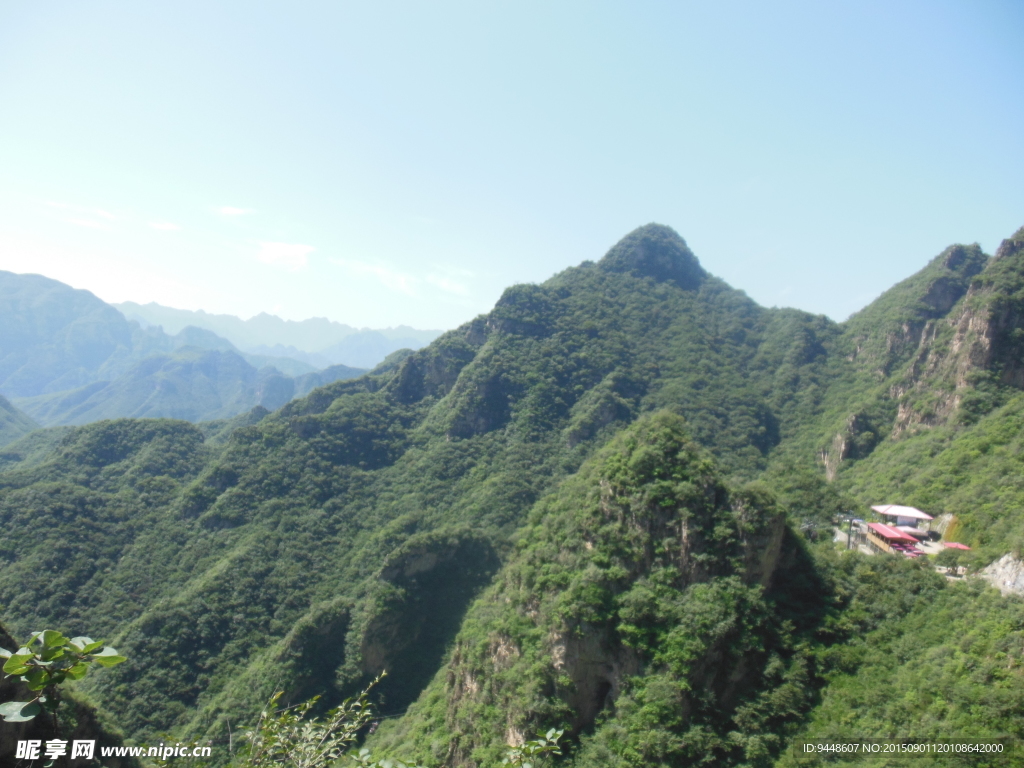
(657, 251)
(1011, 245)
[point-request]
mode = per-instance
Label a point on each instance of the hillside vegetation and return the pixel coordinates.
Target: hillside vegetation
(13, 423)
(632, 464)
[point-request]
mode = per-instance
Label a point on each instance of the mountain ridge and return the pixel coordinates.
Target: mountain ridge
(317, 341)
(361, 526)
(66, 357)
(14, 423)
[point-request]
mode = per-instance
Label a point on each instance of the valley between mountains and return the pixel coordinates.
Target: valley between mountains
(605, 506)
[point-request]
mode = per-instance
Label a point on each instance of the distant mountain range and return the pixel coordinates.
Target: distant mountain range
(319, 342)
(66, 357)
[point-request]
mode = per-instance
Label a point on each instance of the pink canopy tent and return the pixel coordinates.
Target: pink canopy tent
(954, 545)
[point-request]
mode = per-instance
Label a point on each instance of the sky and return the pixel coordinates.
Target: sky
(396, 163)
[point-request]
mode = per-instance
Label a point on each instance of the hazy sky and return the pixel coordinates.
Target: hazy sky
(383, 162)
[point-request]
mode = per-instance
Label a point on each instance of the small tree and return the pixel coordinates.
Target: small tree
(46, 661)
(285, 737)
(526, 755)
(950, 558)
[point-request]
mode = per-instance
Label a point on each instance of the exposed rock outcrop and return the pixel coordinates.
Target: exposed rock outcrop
(1006, 574)
(854, 441)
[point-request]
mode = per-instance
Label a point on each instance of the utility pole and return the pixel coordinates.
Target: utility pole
(849, 531)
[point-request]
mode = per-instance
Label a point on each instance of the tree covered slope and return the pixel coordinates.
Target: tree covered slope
(664, 618)
(355, 529)
(190, 383)
(937, 417)
(13, 423)
(643, 586)
(457, 440)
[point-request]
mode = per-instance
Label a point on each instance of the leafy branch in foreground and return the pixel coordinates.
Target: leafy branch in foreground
(524, 756)
(284, 737)
(46, 661)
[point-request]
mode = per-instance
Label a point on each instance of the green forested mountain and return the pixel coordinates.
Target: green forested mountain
(935, 417)
(13, 423)
(55, 338)
(647, 584)
(190, 383)
(592, 508)
(68, 358)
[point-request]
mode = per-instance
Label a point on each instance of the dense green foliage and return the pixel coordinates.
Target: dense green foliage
(191, 383)
(642, 585)
(950, 667)
(76, 717)
(352, 530)
(13, 423)
(975, 472)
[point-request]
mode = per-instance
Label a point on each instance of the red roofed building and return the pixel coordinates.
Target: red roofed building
(885, 538)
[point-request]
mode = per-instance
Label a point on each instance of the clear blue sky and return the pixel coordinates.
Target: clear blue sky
(387, 162)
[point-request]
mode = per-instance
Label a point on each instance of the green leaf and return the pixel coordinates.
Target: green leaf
(15, 665)
(36, 679)
(78, 671)
(4, 653)
(81, 642)
(19, 711)
(53, 639)
(108, 651)
(109, 661)
(49, 654)
(87, 644)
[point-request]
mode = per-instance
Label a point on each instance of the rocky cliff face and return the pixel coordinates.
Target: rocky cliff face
(1006, 574)
(938, 345)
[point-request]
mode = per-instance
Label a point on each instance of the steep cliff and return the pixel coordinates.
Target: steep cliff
(942, 347)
